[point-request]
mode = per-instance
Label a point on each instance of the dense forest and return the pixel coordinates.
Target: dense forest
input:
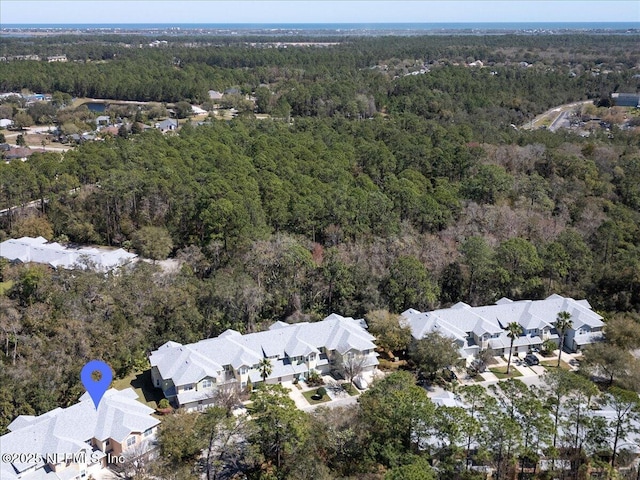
(367, 189)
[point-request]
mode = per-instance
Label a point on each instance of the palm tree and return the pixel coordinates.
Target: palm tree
(265, 368)
(563, 323)
(514, 330)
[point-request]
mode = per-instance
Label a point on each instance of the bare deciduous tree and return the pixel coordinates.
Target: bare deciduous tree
(226, 396)
(353, 365)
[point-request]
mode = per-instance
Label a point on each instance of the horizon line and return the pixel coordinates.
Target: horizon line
(331, 23)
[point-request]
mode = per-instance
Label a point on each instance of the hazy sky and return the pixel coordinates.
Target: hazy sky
(299, 11)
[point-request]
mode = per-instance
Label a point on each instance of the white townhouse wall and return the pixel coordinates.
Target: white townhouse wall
(38, 250)
(189, 374)
(73, 443)
(478, 328)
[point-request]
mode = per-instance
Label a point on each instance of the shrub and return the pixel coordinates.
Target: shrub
(321, 392)
(548, 346)
(164, 404)
(314, 379)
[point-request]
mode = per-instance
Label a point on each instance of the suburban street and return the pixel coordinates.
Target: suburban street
(553, 115)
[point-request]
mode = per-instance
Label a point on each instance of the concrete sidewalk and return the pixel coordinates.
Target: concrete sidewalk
(296, 396)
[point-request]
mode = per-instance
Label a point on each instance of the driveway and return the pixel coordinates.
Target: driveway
(296, 396)
(338, 396)
(341, 402)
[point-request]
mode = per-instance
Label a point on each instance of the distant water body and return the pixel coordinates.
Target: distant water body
(336, 27)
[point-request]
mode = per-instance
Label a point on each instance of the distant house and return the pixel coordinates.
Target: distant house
(159, 43)
(17, 153)
(38, 250)
(477, 328)
(168, 125)
(73, 443)
(215, 95)
(189, 374)
(74, 137)
(197, 110)
(57, 58)
(626, 99)
(103, 120)
(110, 130)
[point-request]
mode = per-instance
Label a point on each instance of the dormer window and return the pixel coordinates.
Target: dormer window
(207, 383)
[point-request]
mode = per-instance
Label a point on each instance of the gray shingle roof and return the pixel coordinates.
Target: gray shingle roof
(28, 249)
(461, 319)
(67, 430)
(186, 364)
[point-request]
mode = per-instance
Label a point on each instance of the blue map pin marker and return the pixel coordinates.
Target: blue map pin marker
(96, 388)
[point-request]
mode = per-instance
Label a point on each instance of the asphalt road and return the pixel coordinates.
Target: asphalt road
(553, 112)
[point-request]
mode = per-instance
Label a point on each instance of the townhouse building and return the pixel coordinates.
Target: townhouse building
(478, 328)
(79, 441)
(189, 374)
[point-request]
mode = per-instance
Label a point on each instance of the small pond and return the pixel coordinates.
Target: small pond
(96, 107)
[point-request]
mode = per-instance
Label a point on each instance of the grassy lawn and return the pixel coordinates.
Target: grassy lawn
(350, 389)
(141, 383)
(5, 286)
(501, 372)
(308, 394)
(552, 364)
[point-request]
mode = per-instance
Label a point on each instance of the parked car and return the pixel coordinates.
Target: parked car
(531, 359)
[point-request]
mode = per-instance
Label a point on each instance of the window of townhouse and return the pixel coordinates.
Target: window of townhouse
(207, 383)
(131, 441)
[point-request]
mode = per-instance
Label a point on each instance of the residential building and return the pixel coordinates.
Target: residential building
(626, 99)
(38, 250)
(103, 120)
(17, 153)
(478, 328)
(168, 125)
(215, 95)
(76, 442)
(189, 374)
(57, 58)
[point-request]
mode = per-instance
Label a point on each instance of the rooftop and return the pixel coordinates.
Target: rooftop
(38, 250)
(190, 363)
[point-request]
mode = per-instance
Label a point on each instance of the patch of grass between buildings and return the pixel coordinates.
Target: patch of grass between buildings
(310, 393)
(141, 383)
(350, 389)
(501, 372)
(552, 364)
